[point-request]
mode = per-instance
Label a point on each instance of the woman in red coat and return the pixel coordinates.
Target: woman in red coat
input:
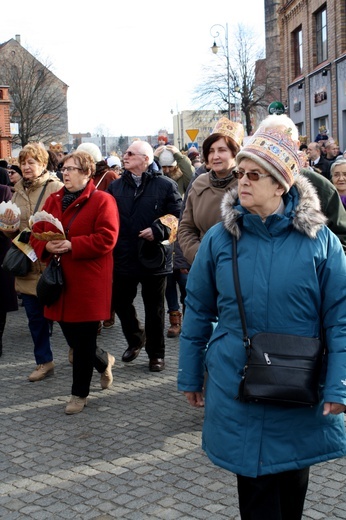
(91, 223)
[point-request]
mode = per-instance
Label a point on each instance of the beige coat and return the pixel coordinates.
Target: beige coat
(26, 200)
(202, 211)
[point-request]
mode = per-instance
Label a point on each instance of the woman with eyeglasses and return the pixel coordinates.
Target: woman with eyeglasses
(292, 273)
(30, 194)
(202, 206)
(338, 174)
(91, 224)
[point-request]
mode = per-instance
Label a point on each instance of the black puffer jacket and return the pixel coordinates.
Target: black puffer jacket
(139, 208)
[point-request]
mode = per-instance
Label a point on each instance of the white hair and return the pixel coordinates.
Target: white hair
(281, 122)
(145, 148)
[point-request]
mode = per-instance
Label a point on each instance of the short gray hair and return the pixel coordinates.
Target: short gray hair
(337, 162)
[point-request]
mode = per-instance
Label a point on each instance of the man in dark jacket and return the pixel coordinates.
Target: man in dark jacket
(143, 196)
(317, 162)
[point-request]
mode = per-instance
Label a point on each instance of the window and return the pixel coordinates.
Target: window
(321, 35)
(298, 52)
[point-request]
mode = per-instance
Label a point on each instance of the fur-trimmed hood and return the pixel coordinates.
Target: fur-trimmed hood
(302, 207)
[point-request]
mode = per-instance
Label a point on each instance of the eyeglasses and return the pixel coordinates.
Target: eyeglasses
(130, 154)
(338, 175)
(70, 169)
(252, 176)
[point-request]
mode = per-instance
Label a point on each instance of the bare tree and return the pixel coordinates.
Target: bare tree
(237, 78)
(38, 97)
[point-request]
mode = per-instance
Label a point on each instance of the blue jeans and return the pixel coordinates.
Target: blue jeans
(39, 328)
(174, 279)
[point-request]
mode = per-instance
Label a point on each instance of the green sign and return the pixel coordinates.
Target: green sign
(276, 107)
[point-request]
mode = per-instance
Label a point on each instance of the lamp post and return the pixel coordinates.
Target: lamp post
(215, 34)
(237, 113)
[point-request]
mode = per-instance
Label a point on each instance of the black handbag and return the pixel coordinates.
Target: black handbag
(16, 262)
(50, 284)
(281, 369)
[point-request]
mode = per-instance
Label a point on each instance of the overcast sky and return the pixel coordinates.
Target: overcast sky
(127, 63)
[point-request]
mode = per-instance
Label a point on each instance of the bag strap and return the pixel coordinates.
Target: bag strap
(246, 339)
(81, 206)
(103, 176)
(41, 196)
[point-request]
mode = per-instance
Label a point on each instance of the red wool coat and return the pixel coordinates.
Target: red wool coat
(88, 268)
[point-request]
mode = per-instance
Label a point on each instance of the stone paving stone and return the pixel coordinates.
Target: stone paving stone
(133, 453)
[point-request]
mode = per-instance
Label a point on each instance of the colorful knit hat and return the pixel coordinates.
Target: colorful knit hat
(275, 152)
(233, 130)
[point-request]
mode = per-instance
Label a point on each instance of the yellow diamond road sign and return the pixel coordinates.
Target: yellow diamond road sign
(192, 134)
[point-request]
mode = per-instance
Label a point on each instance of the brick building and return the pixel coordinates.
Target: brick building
(306, 55)
(5, 132)
(47, 118)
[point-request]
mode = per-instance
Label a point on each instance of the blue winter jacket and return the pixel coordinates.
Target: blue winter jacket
(292, 273)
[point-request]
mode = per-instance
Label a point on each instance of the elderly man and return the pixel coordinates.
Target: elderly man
(144, 196)
(317, 162)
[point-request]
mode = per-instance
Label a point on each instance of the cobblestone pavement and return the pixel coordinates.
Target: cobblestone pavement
(133, 453)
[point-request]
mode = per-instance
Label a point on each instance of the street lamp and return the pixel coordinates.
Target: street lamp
(215, 34)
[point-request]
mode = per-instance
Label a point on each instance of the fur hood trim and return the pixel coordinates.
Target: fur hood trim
(306, 214)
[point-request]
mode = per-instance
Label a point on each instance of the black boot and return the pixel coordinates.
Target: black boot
(2, 328)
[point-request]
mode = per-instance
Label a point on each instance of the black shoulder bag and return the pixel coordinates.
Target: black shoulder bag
(16, 261)
(281, 369)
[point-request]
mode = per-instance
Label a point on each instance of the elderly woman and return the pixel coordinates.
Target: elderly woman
(30, 193)
(91, 223)
(202, 207)
(292, 273)
(338, 174)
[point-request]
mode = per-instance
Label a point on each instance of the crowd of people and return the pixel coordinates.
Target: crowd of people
(165, 220)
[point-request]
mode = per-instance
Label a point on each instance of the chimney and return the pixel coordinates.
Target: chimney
(18, 38)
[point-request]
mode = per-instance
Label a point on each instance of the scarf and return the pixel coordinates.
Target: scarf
(70, 197)
(137, 179)
(27, 183)
(220, 183)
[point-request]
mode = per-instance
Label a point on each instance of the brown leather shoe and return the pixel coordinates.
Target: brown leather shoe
(42, 371)
(130, 354)
(156, 364)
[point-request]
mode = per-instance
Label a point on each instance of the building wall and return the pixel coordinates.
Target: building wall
(5, 131)
(318, 95)
(201, 120)
(59, 129)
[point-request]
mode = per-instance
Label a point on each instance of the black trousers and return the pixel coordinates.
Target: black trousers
(273, 497)
(86, 355)
(153, 295)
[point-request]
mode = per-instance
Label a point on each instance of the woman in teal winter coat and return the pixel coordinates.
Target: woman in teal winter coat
(292, 273)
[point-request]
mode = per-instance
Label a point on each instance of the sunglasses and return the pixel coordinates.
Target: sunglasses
(130, 154)
(252, 176)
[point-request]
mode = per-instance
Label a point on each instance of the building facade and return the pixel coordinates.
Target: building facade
(306, 43)
(5, 127)
(46, 118)
(202, 121)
